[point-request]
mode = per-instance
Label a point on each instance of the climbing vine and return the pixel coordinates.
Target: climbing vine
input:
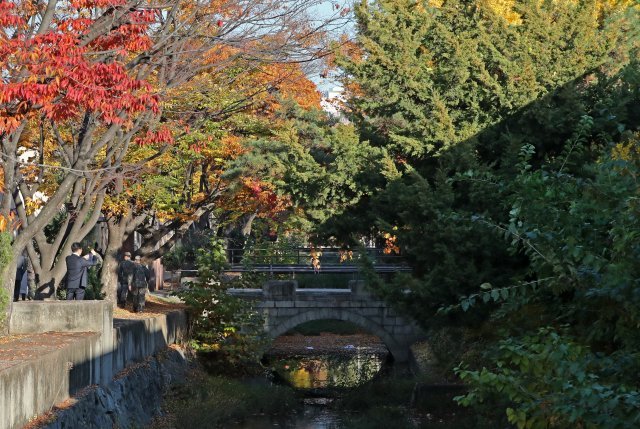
(5, 259)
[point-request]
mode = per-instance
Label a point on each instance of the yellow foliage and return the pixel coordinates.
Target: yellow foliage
(390, 244)
(627, 151)
(115, 205)
(345, 255)
(31, 206)
(504, 8)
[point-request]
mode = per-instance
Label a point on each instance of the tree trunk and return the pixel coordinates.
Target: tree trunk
(49, 279)
(109, 275)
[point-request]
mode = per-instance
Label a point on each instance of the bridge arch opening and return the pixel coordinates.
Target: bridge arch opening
(396, 351)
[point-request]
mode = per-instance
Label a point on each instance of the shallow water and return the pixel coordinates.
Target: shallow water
(319, 368)
(311, 417)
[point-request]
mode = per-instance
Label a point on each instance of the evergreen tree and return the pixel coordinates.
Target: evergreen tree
(453, 92)
(514, 125)
(431, 77)
(319, 166)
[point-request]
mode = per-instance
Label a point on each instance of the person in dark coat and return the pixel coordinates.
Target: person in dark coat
(139, 285)
(77, 274)
(21, 285)
(125, 276)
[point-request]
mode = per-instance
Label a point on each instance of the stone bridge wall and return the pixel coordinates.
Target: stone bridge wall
(285, 307)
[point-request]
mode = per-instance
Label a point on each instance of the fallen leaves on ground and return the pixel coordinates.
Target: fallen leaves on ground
(288, 345)
(16, 349)
(154, 306)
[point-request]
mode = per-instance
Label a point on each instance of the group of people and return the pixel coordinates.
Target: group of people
(133, 280)
(133, 277)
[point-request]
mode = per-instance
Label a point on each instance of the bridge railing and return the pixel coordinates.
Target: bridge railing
(335, 266)
(304, 256)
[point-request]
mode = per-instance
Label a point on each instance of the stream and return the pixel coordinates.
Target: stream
(320, 368)
(326, 381)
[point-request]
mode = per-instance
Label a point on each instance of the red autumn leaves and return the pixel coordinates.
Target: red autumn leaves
(59, 74)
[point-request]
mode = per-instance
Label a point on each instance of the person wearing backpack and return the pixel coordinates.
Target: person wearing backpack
(139, 285)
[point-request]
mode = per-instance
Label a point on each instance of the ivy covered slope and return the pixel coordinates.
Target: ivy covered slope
(513, 131)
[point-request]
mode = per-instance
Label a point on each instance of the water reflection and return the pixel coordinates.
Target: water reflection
(321, 367)
(327, 360)
(330, 371)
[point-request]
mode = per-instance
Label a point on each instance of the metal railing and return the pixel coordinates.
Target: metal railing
(311, 260)
(306, 255)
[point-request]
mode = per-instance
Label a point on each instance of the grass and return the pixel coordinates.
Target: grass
(217, 400)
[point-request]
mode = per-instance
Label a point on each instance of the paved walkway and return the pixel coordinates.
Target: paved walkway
(16, 349)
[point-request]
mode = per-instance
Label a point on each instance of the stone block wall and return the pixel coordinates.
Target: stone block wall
(99, 352)
(130, 401)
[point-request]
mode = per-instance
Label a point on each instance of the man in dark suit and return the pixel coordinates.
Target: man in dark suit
(21, 286)
(77, 271)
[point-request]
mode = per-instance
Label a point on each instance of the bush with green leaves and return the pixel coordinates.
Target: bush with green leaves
(548, 380)
(175, 258)
(224, 327)
(580, 230)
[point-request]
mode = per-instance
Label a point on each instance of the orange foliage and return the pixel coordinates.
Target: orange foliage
(287, 81)
(9, 223)
(256, 196)
(390, 244)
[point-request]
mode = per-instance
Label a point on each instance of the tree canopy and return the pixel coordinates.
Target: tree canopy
(512, 128)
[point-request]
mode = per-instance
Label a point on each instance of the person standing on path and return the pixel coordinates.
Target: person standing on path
(21, 283)
(77, 274)
(125, 276)
(140, 283)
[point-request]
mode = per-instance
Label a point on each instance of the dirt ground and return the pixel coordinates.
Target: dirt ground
(155, 305)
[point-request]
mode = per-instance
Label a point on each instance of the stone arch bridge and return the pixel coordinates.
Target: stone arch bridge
(285, 307)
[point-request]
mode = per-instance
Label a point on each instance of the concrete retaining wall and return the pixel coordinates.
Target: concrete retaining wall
(32, 387)
(130, 401)
(30, 317)
(35, 385)
(134, 340)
